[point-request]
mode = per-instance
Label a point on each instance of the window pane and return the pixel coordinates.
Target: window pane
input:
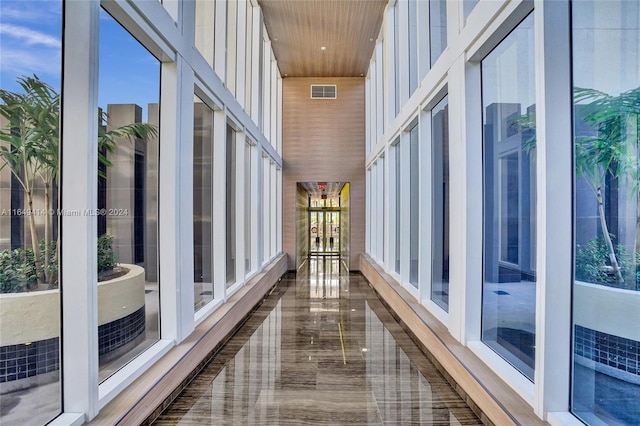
(249, 59)
(414, 205)
(202, 203)
(396, 62)
(508, 101)
(259, 76)
(468, 6)
(205, 29)
(369, 196)
(381, 206)
(606, 291)
(413, 46)
(440, 205)
(231, 206)
(396, 150)
(266, 210)
(374, 211)
(248, 208)
(438, 27)
(128, 193)
(30, 55)
(232, 25)
(274, 200)
(424, 60)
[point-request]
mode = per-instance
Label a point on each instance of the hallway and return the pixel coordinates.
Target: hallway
(322, 349)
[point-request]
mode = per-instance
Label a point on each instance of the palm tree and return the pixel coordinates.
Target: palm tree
(609, 151)
(32, 150)
(32, 118)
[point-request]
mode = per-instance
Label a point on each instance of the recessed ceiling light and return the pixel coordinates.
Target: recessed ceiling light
(323, 48)
(371, 39)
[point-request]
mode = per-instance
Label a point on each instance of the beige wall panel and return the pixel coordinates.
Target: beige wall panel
(323, 140)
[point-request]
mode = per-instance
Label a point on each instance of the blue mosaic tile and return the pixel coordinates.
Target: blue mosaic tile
(607, 349)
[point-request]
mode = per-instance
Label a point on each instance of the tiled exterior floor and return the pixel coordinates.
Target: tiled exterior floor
(322, 349)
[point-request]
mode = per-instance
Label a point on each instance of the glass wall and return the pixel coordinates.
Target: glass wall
(231, 205)
(606, 290)
(202, 203)
(438, 28)
(117, 83)
(127, 196)
(30, 86)
(509, 290)
(440, 187)
(414, 204)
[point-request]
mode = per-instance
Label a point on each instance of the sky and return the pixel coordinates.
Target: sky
(31, 43)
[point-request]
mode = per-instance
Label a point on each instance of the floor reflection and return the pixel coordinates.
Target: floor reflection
(322, 349)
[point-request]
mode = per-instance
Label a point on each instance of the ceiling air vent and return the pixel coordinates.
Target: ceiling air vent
(323, 91)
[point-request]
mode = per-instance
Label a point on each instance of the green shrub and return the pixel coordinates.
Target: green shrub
(594, 266)
(17, 271)
(107, 258)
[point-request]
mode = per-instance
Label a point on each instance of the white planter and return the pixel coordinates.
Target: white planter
(121, 296)
(33, 316)
(607, 309)
(29, 317)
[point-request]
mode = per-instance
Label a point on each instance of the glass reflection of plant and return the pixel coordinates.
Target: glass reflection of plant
(31, 152)
(612, 151)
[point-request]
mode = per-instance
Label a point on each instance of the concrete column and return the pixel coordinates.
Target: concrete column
(151, 196)
(121, 183)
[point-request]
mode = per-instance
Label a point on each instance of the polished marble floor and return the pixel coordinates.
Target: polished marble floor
(321, 350)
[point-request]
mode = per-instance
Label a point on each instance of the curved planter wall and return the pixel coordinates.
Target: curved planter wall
(121, 316)
(30, 327)
(607, 335)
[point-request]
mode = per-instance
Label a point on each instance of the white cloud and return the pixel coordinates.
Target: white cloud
(33, 11)
(30, 62)
(29, 36)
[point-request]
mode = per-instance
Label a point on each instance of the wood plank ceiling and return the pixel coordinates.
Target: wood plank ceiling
(348, 29)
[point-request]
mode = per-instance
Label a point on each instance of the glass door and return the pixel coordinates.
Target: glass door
(333, 232)
(324, 232)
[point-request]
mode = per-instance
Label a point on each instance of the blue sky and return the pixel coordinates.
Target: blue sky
(31, 43)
